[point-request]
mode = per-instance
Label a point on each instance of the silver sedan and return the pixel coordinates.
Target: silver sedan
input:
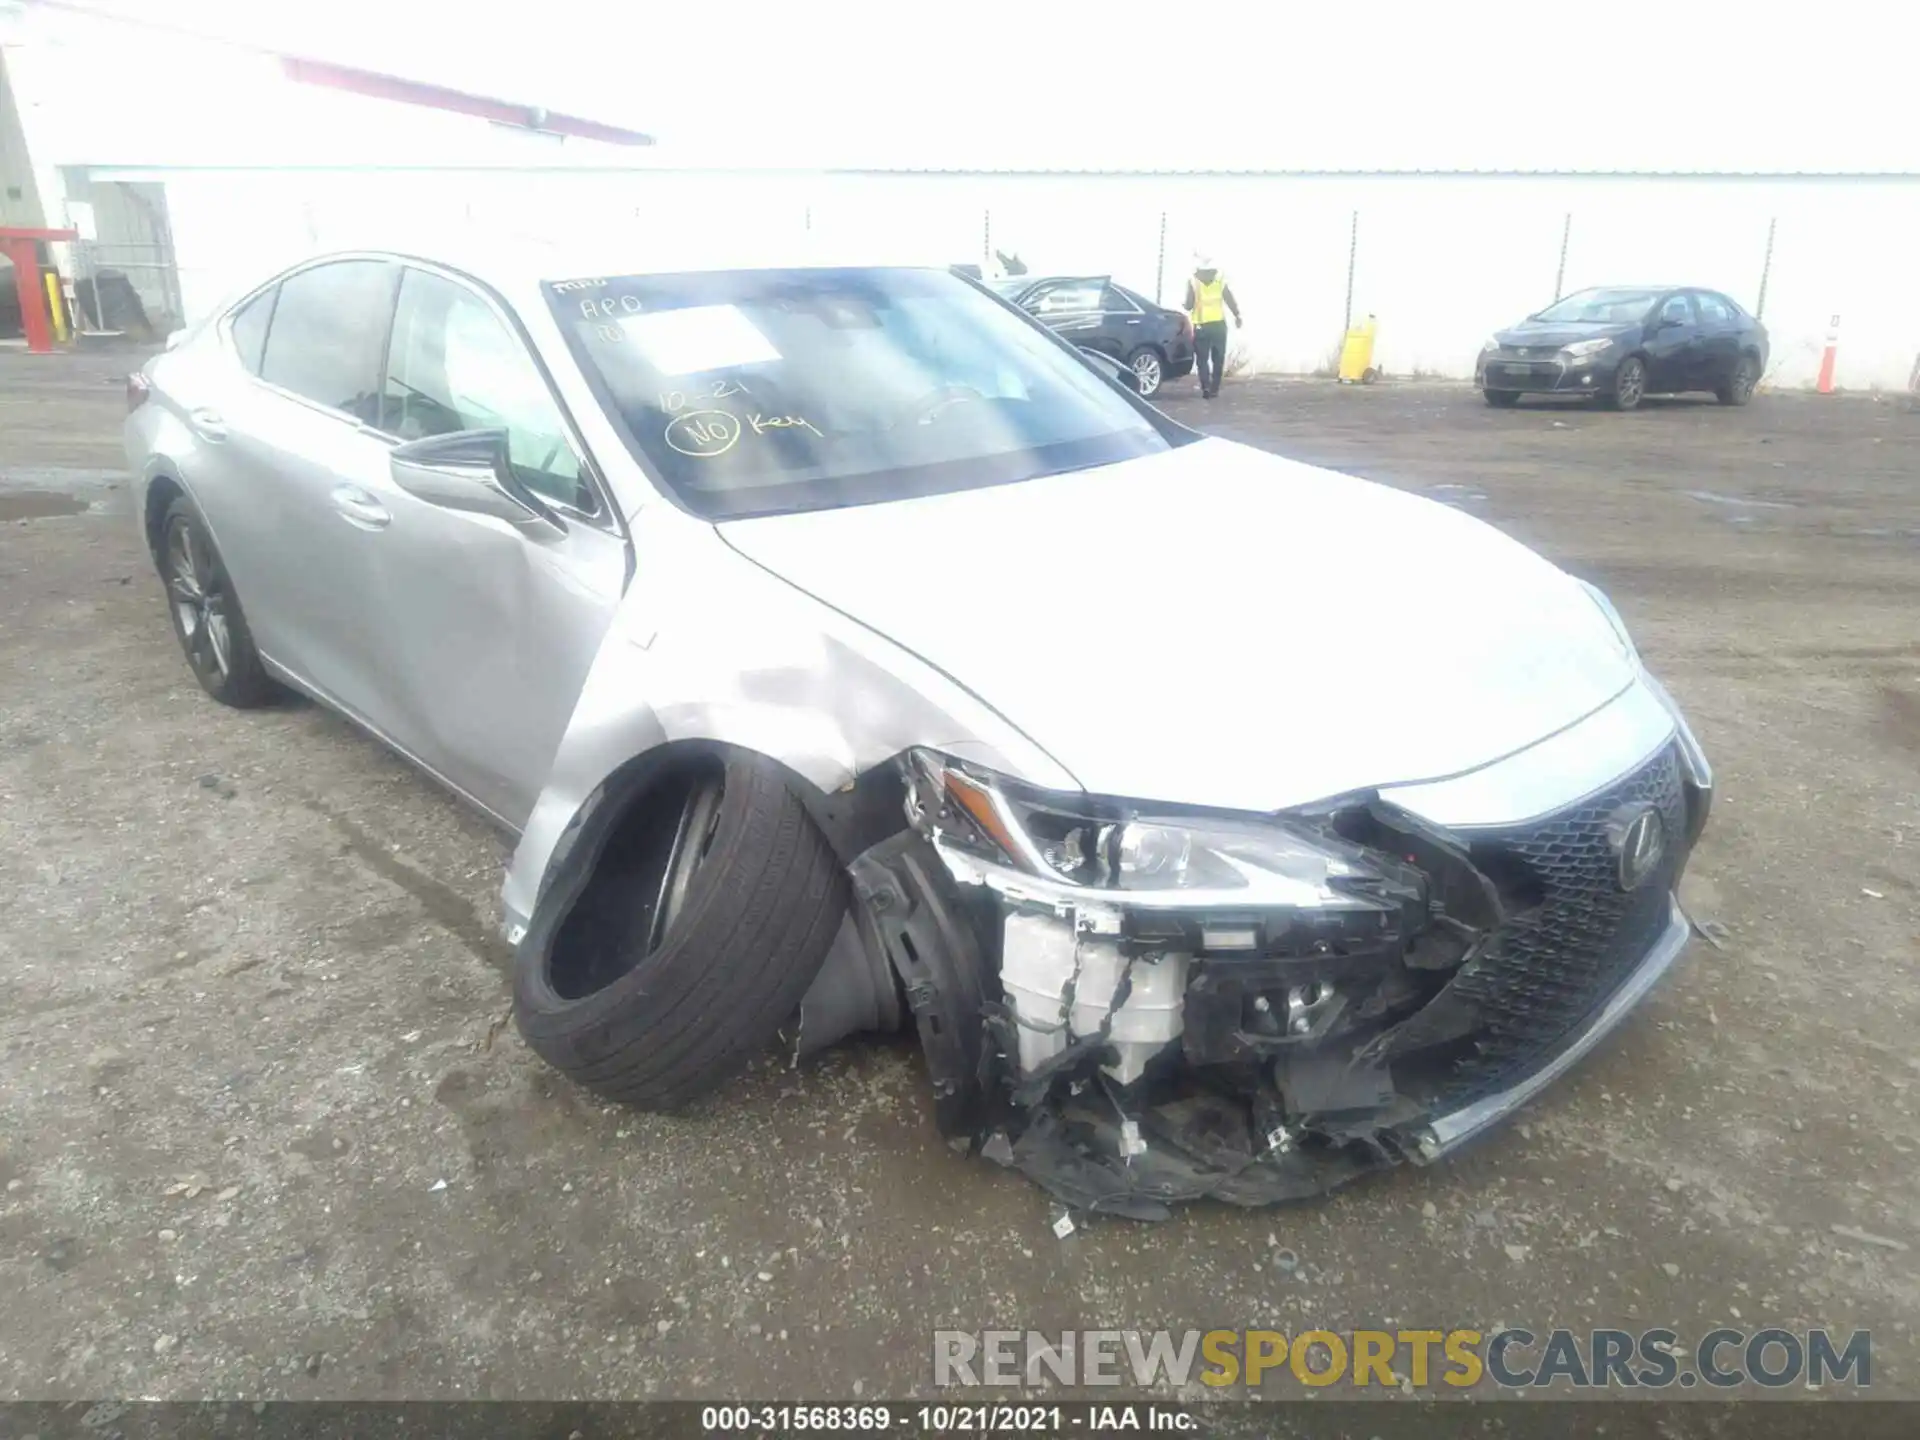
(842, 647)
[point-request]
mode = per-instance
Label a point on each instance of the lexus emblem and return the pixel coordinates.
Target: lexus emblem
(1638, 846)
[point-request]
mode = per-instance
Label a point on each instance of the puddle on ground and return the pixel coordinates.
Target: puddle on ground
(38, 504)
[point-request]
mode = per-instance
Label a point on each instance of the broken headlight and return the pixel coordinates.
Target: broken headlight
(1092, 843)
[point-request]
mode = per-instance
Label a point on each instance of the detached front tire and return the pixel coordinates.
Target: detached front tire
(704, 918)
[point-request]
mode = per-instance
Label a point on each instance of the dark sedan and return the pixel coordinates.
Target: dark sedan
(1618, 344)
(1094, 313)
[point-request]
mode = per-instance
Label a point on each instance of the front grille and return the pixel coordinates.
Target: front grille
(1552, 964)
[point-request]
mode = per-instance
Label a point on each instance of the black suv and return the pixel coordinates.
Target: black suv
(1094, 313)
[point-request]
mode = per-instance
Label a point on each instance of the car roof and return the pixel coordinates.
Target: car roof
(519, 263)
(1650, 289)
(1024, 280)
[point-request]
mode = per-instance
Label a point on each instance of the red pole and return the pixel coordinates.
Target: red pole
(22, 248)
(33, 300)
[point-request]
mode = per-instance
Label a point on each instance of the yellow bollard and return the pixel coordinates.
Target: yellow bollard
(56, 307)
(1356, 355)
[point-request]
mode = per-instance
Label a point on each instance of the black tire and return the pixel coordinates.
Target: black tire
(657, 1004)
(1738, 388)
(1629, 386)
(1502, 399)
(205, 611)
(1149, 370)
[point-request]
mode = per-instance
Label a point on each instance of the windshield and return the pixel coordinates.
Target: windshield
(1010, 286)
(765, 391)
(1601, 307)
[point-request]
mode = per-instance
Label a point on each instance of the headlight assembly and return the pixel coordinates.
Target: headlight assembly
(1080, 844)
(1585, 349)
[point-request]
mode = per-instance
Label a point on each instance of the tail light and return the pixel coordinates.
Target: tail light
(137, 391)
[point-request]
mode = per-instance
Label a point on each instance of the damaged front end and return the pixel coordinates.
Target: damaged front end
(1136, 1007)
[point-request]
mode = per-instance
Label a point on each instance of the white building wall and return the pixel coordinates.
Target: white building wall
(1440, 260)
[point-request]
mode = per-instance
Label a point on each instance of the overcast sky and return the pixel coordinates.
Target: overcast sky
(1629, 85)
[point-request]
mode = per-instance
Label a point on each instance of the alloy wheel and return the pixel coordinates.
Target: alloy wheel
(1146, 372)
(1631, 384)
(198, 591)
(692, 839)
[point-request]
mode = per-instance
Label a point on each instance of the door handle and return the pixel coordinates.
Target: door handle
(358, 507)
(208, 424)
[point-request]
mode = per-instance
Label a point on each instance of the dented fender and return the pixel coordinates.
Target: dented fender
(708, 648)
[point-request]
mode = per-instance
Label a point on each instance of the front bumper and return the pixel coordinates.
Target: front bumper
(1432, 1048)
(1547, 375)
(1446, 1133)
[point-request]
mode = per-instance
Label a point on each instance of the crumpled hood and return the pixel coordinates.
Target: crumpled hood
(1219, 626)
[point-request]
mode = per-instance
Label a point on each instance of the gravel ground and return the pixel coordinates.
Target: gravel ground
(264, 1133)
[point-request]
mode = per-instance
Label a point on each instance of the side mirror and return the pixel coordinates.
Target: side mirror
(469, 471)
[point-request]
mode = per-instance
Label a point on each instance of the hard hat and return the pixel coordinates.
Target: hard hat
(1202, 260)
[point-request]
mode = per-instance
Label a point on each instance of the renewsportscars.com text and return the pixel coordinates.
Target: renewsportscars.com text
(1512, 1358)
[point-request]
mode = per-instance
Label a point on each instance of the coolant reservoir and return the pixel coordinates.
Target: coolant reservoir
(1040, 956)
(1151, 1016)
(1036, 962)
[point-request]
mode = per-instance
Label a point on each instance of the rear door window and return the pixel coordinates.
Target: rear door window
(1068, 297)
(1714, 310)
(249, 328)
(329, 332)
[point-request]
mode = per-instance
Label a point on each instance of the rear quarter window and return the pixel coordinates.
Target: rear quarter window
(248, 327)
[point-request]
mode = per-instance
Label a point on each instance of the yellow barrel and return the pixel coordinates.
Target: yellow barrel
(1356, 355)
(56, 307)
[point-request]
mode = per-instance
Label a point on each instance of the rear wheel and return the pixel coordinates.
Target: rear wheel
(1148, 370)
(1738, 388)
(1629, 385)
(206, 614)
(1502, 399)
(706, 916)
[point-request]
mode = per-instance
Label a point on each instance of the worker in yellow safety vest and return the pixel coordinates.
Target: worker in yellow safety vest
(1209, 301)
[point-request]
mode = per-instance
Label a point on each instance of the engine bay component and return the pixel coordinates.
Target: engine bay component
(1069, 982)
(1138, 1011)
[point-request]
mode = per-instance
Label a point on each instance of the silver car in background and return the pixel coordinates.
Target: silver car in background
(840, 646)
